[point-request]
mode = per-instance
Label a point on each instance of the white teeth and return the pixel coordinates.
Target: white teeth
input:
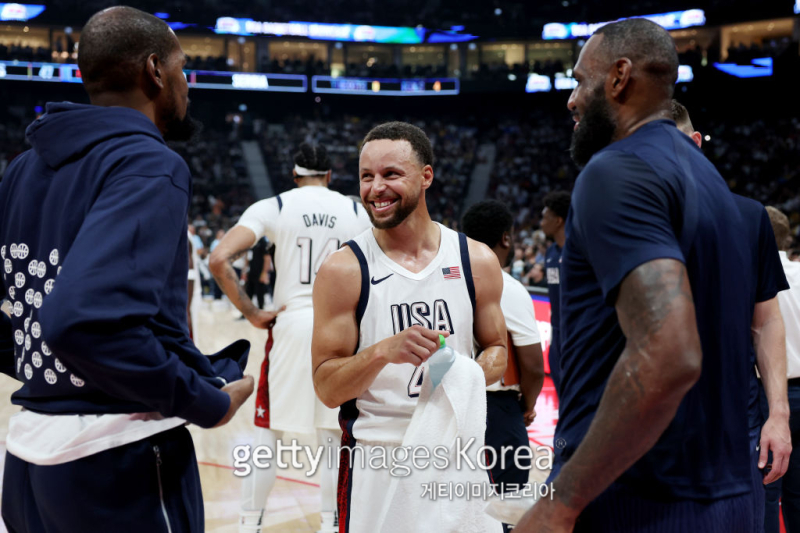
(381, 205)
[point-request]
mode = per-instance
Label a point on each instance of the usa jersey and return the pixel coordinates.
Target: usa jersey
(440, 297)
(306, 225)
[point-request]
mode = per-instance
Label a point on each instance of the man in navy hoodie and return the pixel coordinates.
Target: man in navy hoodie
(94, 253)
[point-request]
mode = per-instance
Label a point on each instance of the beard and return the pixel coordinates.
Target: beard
(510, 257)
(404, 208)
(181, 129)
(595, 131)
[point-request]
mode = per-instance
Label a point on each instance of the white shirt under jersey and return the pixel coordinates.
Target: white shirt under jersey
(789, 302)
(520, 319)
(440, 297)
(306, 225)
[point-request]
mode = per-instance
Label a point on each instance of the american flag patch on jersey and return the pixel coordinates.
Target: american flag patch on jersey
(452, 272)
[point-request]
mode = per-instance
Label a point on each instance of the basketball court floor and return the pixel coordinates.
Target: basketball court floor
(294, 502)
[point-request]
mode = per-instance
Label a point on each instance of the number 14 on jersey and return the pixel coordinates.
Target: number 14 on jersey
(306, 245)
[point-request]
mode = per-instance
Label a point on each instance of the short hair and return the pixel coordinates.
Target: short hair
(114, 45)
(403, 131)
(486, 222)
(681, 116)
(312, 157)
(647, 45)
(558, 203)
(781, 228)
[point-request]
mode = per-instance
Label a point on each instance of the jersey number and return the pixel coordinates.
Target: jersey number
(415, 383)
(305, 245)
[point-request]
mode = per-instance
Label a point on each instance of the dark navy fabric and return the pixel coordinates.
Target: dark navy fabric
(783, 496)
(115, 490)
(653, 195)
(553, 272)
(757, 479)
(623, 509)
(770, 280)
(505, 427)
(94, 246)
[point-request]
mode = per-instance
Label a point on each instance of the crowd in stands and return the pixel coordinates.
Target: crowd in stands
(24, 53)
(742, 54)
(759, 159)
(218, 64)
(221, 186)
(454, 146)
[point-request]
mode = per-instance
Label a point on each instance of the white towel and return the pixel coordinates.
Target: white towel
(456, 408)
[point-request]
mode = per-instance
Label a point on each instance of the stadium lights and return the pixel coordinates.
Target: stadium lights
(20, 12)
(760, 68)
(674, 20)
(340, 32)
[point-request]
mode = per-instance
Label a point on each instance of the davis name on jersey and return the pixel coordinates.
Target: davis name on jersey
(322, 219)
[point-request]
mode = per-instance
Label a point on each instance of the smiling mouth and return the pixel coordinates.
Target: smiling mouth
(383, 205)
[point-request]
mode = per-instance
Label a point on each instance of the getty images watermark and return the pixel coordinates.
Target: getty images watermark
(399, 460)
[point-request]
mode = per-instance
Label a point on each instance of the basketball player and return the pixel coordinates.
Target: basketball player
(655, 298)
(554, 217)
(385, 297)
(306, 225)
(94, 247)
(787, 489)
(768, 346)
(511, 401)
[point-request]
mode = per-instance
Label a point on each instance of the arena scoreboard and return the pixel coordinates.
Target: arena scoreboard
(247, 81)
(25, 71)
(385, 86)
(197, 79)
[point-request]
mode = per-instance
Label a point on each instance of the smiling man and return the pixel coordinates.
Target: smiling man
(655, 303)
(385, 297)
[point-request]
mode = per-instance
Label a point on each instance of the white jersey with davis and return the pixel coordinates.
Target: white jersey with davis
(306, 225)
(440, 297)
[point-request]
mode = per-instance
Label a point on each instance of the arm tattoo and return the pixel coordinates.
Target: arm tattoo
(236, 256)
(230, 279)
(659, 364)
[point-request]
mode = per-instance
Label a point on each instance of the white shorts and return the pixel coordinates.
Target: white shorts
(285, 400)
(362, 492)
(368, 503)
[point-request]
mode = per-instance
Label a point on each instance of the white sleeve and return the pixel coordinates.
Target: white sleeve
(260, 218)
(518, 311)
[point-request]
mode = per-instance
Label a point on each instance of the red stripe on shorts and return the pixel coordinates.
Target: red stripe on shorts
(262, 394)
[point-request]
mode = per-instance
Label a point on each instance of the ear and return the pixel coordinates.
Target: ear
(154, 70)
(506, 241)
(697, 137)
(427, 176)
(620, 76)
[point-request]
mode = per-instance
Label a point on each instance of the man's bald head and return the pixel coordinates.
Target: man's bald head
(649, 47)
(115, 44)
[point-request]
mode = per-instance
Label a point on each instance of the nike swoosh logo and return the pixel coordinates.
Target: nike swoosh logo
(376, 281)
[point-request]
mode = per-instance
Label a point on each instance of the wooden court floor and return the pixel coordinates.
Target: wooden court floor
(294, 503)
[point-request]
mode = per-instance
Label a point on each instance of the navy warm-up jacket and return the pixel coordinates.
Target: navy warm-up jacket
(94, 250)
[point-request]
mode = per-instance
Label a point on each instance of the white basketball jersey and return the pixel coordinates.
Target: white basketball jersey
(440, 297)
(306, 225)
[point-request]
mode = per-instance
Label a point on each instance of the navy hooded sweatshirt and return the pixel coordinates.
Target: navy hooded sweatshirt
(94, 250)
